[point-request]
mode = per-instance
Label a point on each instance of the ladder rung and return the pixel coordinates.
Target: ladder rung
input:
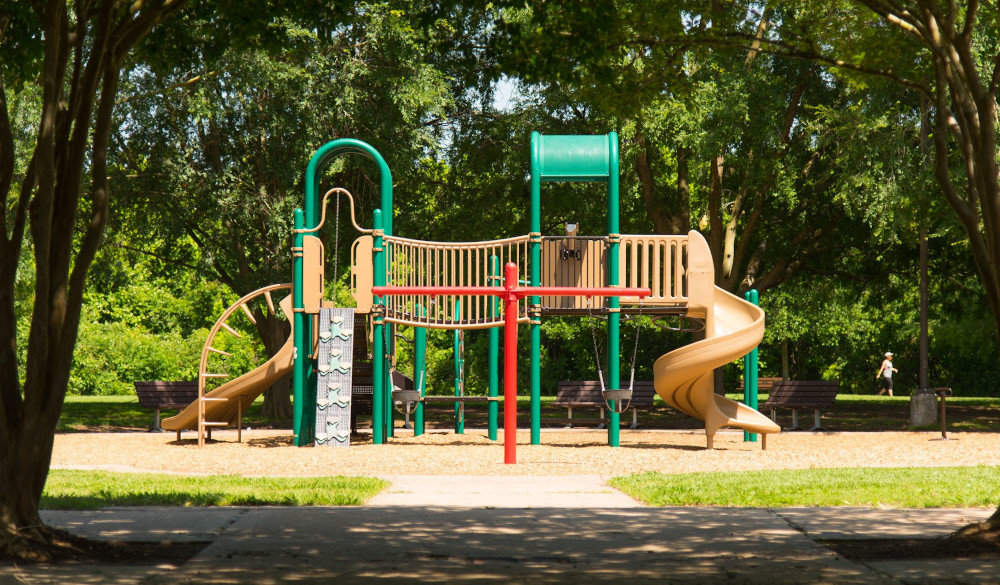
(225, 353)
(248, 313)
(214, 424)
(231, 330)
(207, 399)
(207, 375)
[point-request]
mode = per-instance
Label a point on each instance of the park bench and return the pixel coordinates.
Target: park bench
(587, 394)
(796, 394)
(764, 385)
(158, 395)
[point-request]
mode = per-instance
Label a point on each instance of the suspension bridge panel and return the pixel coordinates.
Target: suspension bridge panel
(418, 263)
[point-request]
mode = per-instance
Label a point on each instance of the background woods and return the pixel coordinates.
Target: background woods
(151, 155)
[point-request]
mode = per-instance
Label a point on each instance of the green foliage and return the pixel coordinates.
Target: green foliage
(110, 356)
(209, 171)
(139, 327)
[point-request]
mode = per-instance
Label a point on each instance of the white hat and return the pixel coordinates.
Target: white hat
(888, 354)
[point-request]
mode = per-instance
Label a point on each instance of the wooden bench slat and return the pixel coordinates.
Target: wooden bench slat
(159, 394)
(764, 385)
(587, 393)
(795, 394)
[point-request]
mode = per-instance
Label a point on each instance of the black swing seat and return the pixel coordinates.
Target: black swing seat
(618, 395)
(403, 392)
(405, 396)
(588, 394)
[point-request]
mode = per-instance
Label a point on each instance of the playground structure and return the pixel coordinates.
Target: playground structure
(457, 286)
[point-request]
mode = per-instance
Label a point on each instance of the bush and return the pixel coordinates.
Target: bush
(110, 356)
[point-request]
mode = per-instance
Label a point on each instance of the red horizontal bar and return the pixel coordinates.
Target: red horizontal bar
(562, 291)
(438, 290)
(579, 291)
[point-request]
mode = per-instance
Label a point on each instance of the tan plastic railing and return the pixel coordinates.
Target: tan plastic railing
(660, 263)
(422, 263)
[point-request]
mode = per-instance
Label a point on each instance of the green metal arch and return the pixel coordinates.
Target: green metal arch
(309, 218)
(340, 147)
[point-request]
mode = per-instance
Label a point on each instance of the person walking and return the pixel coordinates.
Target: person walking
(884, 374)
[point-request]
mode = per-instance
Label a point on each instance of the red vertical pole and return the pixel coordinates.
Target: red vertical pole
(510, 365)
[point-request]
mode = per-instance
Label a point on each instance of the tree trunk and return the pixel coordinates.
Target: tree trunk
(784, 359)
(82, 52)
(278, 399)
(668, 217)
(923, 307)
(683, 190)
(715, 229)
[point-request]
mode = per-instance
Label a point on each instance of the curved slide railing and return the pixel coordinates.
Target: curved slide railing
(224, 405)
(733, 327)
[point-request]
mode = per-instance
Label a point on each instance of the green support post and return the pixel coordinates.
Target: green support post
(575, 158)
(419, 367)
(535, 276)
(300, 370)
(614, 317)
(304, 372)
(459, 348)
(750, 371)
(378, 337)
(494, 351)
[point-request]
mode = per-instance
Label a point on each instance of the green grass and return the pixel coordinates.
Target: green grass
(87, 490)
(123, 413)
(928, 487)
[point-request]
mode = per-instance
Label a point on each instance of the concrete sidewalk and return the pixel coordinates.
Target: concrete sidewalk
(578, 491)
(431, 529)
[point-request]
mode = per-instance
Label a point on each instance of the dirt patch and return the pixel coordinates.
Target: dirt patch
(985, 547)
(65, 549)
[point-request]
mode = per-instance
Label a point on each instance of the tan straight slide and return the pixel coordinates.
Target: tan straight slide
(238, 394)
(684, 379)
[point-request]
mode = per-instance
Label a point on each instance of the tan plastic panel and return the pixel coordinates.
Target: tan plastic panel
(362, 274)
(659, 263)
(313, 256)
(573, 262)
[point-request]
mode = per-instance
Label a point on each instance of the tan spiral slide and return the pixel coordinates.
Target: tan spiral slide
(733, 327)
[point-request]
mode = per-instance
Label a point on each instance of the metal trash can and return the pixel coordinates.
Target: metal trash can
(923, 408)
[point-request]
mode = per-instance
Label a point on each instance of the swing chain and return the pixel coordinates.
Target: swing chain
(409, 406)
(635, 347)
(619, 408)
(593, 337)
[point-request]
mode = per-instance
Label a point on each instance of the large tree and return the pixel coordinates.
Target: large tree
(213, 151)
(949, 52)
(732, 141)
(74, 52)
